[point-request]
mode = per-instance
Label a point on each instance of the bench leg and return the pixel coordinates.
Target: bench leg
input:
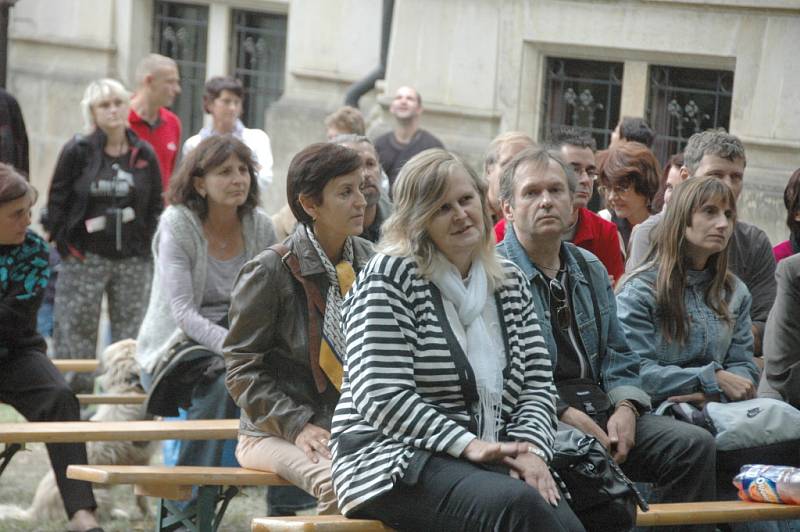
(200, 516)
(7, 454)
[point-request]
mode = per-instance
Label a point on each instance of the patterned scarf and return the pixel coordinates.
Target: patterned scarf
(331, 328)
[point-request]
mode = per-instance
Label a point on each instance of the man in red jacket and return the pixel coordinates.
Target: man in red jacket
(158, 83)
(587, 229)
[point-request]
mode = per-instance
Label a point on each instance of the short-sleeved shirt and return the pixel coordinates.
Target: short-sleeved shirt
(164, 136)
(394, 155)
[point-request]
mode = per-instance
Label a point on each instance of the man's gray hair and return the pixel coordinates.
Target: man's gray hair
(717, 142)
(540, 158)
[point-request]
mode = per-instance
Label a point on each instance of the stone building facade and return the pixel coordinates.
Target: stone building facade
(483, 66)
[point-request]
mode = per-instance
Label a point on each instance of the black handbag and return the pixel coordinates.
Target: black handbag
(601, 495)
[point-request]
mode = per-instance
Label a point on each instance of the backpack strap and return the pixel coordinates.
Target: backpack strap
(313, 300)
(579, 258)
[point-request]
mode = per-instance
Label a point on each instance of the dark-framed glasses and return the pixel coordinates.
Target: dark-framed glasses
(559, 295)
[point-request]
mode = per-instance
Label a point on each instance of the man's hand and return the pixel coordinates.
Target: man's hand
(621, 433)
(313, 441)
(758, 346)
(532, 469)
(734, 387)
(585, 424)
(480, 451)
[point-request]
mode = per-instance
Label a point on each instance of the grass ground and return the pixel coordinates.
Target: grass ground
(19, 481)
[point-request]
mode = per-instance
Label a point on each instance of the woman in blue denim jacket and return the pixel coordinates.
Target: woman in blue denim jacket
(684, 313)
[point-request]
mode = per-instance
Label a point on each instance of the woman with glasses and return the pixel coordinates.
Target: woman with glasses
(684, 312)
(629, 177)
(447, 398)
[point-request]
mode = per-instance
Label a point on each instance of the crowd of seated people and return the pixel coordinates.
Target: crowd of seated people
(411, 360)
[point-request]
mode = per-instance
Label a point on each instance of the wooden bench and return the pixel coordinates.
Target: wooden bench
(689, 513)
(83, 431)
(703, 513)
(80, 365)
(14, 436)
(111, 398)
(216, 486)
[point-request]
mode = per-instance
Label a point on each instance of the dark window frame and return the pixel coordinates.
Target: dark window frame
(259, 36)
(168, 30)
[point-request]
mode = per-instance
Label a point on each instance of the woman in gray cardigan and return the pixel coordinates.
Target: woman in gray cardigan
(211, 229)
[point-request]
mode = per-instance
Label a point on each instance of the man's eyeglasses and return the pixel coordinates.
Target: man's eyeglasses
(563, 315)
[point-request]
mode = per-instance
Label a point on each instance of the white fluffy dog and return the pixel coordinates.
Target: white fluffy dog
(120, 375)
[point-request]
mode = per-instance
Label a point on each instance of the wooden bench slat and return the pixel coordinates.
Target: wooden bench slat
(316, 523)
(668, 514)
(80, 365)
(84, 431)
(174, 475)
(700, 513)
(112, 399)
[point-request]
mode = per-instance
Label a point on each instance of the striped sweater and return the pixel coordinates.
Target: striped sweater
(405, 379)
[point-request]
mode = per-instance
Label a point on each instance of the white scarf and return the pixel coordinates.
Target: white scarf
(487, 363)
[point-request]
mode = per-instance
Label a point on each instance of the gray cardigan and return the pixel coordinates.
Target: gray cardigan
(159, 331)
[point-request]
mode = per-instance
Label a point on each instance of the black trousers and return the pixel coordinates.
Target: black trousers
(678, 458)
(35, 388)
(456, 495)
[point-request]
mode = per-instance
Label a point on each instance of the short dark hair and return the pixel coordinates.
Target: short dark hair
(13, 185)
(216, 85)
(208, 155)
(632, 163)
(573, 136)
(312, 168)
(636, 129)
(791, 198)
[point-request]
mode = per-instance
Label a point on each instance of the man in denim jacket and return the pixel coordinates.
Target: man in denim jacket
(536, 192)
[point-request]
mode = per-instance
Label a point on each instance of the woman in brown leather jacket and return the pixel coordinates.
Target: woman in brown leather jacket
(284, 348)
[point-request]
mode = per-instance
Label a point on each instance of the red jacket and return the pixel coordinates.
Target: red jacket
(165, 138)
(592, 234)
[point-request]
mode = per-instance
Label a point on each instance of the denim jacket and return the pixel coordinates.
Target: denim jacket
(669, 368)
(617, 369)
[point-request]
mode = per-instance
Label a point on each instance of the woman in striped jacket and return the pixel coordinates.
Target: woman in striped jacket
(447, 413)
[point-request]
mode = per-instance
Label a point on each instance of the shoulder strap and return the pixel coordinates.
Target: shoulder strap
(314, 300)
(595, 307)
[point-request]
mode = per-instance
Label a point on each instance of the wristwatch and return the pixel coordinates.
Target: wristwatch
(538, 452)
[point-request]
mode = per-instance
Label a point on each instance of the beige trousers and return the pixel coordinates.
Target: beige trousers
(272, 453)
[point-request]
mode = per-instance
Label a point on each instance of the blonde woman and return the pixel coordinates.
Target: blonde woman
(448, 398)
(103, 207)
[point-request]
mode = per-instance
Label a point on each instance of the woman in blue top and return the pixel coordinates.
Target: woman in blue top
(686, 315)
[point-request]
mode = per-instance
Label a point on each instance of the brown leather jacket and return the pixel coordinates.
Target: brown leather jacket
(266, 351)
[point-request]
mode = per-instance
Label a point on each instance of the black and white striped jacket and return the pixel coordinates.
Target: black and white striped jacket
(407, 381)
